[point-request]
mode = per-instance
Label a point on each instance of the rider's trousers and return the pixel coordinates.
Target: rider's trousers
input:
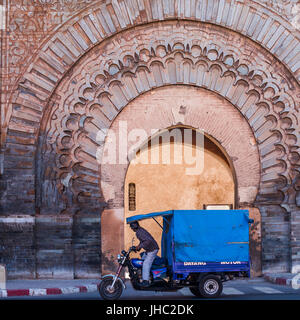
(150, 256)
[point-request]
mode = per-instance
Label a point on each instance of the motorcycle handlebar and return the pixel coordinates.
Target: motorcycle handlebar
(129, 250)
(133, 248)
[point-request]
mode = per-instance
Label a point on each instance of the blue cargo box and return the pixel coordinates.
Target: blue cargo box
(204, 240)
(208, 240)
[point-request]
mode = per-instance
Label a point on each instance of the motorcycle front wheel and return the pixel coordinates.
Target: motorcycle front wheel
(108, 293)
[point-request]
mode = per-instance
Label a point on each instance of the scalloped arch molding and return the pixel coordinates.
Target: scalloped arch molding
(90, 70)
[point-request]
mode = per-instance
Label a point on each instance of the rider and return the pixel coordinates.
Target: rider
(148, 243)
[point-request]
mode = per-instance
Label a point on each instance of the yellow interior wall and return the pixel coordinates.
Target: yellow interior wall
(161, 187)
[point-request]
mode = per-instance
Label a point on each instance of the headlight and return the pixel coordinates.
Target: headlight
(120, 258)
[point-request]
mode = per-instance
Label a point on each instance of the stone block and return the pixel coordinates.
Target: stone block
(54, 254)
(87, 245)
(17, 245)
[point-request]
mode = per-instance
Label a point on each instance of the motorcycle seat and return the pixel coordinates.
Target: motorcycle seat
(159, 262)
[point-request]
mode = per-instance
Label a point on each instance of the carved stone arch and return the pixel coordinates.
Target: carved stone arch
(91, 105)
(239, 93)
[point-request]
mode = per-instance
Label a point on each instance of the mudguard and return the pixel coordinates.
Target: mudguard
(113, 276)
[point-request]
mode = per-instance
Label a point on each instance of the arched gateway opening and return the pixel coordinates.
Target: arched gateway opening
(179, 168)
(188, 172)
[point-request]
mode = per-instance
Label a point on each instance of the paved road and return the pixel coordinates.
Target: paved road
(250, 289)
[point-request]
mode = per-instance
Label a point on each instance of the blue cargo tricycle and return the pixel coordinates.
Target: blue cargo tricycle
(200, 249)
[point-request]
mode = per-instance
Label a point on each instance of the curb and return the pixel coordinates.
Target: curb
(47, 291)
(278, 280)
(281, 281)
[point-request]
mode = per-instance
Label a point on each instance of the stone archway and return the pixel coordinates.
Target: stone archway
(87, 103)
(170, 63)
(67, 98)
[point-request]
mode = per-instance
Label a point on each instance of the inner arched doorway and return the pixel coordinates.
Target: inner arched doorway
(163, 176)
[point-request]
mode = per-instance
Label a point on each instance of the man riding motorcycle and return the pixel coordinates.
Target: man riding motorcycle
(147, 243)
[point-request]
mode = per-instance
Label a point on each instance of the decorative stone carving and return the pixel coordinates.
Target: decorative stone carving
(31, 22)
(289, 9)
(104, 83)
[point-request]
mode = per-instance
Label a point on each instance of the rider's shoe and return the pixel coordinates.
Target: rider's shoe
(145, 284)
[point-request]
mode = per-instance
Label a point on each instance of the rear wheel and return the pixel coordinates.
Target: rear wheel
(110, 293)
(210, 286)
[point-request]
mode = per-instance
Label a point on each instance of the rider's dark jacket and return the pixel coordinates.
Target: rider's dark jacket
(147, 242)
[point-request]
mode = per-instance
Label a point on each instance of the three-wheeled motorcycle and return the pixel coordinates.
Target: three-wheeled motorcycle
(200, 249)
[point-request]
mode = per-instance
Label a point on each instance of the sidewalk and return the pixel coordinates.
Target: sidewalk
(41, 287)
(287, 279)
